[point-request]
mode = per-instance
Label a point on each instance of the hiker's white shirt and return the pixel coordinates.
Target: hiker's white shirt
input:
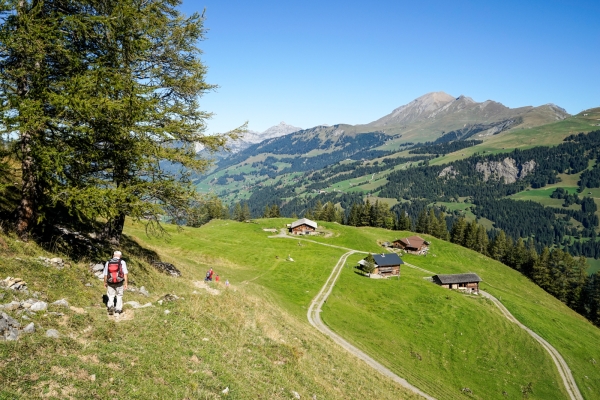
(123, 266)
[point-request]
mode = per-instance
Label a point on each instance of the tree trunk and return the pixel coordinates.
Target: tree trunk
(114, 229)
(26, 210)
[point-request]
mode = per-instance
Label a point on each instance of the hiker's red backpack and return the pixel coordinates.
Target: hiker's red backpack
(115, 271)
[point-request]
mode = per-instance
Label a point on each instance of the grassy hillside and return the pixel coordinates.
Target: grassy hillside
(254, 337)
(573, 336)
(411, 313)
(240, 339)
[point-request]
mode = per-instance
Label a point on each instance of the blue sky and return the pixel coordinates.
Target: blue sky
(326, 62)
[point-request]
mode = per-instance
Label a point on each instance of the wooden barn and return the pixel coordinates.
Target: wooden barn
(468, 282)
(303, 226)
(412, 245)
(386, 264)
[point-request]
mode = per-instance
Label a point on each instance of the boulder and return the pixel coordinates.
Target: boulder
(13, 305)
(52, 333)
(135, 304)
(166, 268)
(39, 306)
(144, 291)
(29, 328)
(13, 334)
(61, 303)
(97, 267)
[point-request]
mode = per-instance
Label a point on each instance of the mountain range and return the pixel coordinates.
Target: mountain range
(254, 137)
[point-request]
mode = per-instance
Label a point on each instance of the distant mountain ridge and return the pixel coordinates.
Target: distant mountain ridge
(253, 137)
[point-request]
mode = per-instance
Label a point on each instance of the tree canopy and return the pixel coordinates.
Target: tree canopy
(100, 107)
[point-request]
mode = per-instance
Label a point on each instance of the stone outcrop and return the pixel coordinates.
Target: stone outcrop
(448, 171)
(14, 284)
(506, 169)
(166, 268)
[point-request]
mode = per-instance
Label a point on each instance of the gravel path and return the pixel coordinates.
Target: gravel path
(563, 368)
(314, 318)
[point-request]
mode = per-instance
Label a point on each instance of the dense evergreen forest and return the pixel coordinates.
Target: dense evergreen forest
(443, 148)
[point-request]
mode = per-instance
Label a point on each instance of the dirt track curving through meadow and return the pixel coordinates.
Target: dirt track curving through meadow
(563, 368)
(314, 318)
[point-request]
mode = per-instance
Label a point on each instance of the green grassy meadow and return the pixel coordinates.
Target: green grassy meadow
(258, 341)
(242, 339)
(573, 336)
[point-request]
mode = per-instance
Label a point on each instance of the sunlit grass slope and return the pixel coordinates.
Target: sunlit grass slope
(399, 322)
(240, 339)
(414, 304)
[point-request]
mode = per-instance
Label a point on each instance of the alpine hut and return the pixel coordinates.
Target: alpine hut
(412, 245)
(303, 226)
(468, 282)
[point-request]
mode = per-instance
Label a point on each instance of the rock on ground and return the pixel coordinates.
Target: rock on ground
(135, 304)
(39, 306)
(52, 333)
(167, 268)
(61, 302)
(144, 291)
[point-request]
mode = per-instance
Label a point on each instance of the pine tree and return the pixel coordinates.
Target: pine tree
(245, 212)
(540, 272)
(457, 233)
(482, 240)
(498, 246)
(442, 228)
(275, 212)
(432, 222)
(365, 215)
(471, 236)
(237, 212)
(422, 223)
(354, 216)
(520, 255)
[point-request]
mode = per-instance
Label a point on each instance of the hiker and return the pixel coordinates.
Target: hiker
(217, 278)
(210, 274)
(227, 283)
(115, 282)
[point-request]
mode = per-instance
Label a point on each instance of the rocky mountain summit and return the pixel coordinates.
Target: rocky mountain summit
(253, 137)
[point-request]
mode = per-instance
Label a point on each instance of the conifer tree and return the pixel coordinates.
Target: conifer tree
(540, 272)
(237, 212)
(245, 215)
(457, 233)
(482, 240)
(365, 215)
(471, 236)
(422, 223)
(498, 246)
(354, 216)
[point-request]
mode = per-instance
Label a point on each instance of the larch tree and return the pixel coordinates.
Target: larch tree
(100, 102)
(142, 122)
(39, 43)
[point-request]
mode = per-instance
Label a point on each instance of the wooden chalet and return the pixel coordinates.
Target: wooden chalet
(386, 264)
(468, 282)
(412, 245)
(303, 226)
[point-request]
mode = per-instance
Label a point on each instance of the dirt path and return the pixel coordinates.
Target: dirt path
(314, 318)
(563, 368)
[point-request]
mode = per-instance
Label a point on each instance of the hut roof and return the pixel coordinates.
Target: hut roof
(386, 260)
(458, 278)
(304, 221)
(413, 241)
